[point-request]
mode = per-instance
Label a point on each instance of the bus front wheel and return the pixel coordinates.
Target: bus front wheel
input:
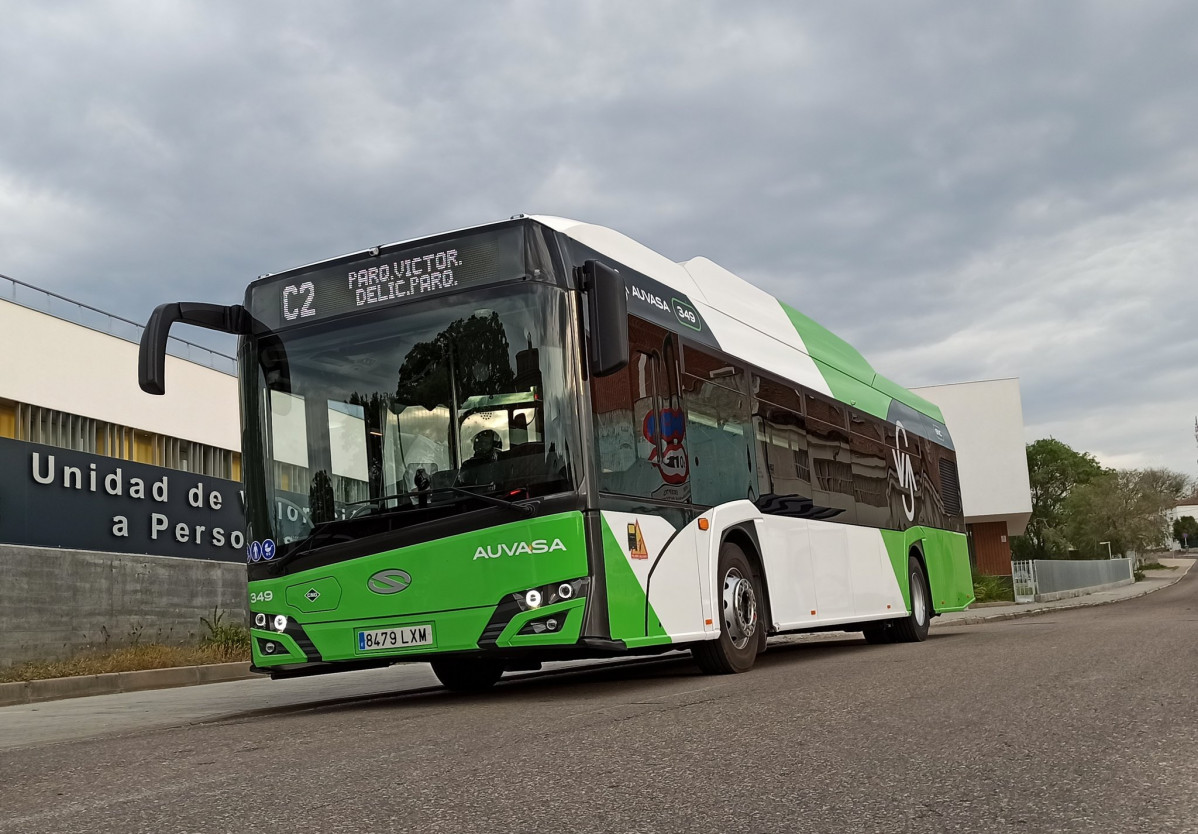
(473, 675)
(739, 602)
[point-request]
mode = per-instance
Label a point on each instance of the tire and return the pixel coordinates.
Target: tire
(736, 648)
(474, 675)
(879, 633)
(914, 627)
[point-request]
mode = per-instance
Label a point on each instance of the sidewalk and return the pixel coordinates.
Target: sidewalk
(33, 692)
(1153, 580)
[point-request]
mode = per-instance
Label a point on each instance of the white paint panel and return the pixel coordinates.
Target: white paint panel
(763, 350)
(674, 590)
(787, 557)
(831, 568)
(627, 251)
(747, 321)
(841, 572)
(675, 594)
(874, 583)
(745, 302)
(57, 364)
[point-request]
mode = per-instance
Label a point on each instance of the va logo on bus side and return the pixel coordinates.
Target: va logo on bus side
(904, 469)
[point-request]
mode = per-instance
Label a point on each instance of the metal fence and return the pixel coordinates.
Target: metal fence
(61, 307)
(1035, 580)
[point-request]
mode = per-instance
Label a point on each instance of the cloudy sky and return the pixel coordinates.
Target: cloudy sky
(963, 190)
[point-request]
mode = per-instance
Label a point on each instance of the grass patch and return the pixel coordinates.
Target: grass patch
(1156, 566)
(993, 589)
(231, 638)
(224, 643)
(129, 659)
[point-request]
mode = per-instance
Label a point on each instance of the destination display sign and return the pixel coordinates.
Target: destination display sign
(396, 275)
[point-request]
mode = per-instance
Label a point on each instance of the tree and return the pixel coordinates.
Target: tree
(1185, 530)
(477, 350)
(1054, 470)
(1128, 508)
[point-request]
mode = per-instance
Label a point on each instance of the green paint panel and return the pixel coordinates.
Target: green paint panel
(568, 613)
(901, 394)
(626, 600)
(456, 582)
(946, 555)
(827, 347)
(854, 392)
(288, 653)
(849, 375)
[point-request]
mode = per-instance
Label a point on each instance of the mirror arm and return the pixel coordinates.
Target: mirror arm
(151, 356)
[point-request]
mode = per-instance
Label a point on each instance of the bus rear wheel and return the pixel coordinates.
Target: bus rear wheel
(737, 646)
(914, 627)
(473, 675)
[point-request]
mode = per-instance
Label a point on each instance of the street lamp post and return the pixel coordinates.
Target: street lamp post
(1109, 555)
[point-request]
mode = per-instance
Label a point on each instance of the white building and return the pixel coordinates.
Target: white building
(985, 420)
(72, 415)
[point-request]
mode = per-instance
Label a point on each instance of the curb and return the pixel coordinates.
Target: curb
(1034, 608)
(111, 683)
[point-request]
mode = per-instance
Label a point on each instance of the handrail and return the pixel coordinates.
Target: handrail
(183, 349)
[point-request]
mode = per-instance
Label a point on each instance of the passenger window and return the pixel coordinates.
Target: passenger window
(640, 428)
(719, 439)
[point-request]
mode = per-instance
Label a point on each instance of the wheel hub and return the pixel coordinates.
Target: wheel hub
(919, 602)
(740, 608)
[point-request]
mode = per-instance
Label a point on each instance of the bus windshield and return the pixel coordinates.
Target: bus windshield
(412, 412)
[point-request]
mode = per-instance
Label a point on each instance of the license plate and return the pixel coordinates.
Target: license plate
(400, 637)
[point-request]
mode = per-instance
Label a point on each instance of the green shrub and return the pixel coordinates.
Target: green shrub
(229, 639)
(993, 589)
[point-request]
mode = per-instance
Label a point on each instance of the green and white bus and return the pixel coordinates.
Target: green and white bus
(538, 439)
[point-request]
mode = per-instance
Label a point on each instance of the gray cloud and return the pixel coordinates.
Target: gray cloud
(963, 190)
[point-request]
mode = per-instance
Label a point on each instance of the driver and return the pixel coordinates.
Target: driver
(487, 445)
(476, 469)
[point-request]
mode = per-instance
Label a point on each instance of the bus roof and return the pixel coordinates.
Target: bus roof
(758, 325)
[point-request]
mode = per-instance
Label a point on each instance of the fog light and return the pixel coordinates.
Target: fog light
(280, 623)
(533, 599)
(565, 590)
(269, 648)
(551, 625)
(260, 620)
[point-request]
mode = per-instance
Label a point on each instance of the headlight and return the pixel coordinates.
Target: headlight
(280, 623)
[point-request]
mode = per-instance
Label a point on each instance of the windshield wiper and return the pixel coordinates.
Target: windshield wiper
(326, 528)
(523, 509)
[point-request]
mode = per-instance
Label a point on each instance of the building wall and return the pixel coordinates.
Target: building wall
(64, 386)
(54, 602)
(56, 364)
(985, 420)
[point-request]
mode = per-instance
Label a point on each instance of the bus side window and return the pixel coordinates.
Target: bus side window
(871, 463)
(831, 459)
(784, 464)
(786, 452)
(615, 432)
(719, 431)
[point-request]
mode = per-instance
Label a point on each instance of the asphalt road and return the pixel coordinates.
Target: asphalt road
(1078, 720)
